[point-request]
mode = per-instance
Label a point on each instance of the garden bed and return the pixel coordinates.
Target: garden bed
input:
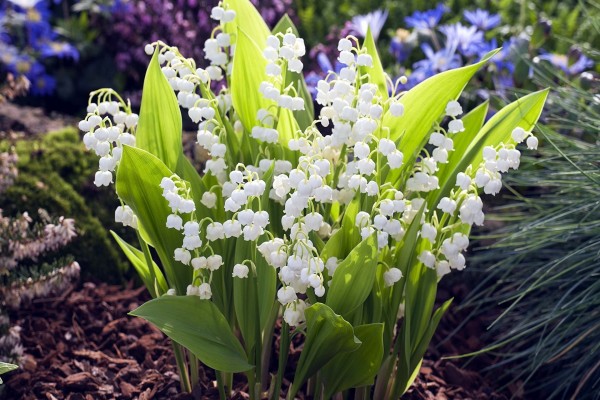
(82, 344)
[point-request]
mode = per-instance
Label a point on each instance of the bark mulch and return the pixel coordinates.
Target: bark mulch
(82, 345)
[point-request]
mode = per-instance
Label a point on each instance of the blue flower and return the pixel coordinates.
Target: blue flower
(436, 62)
(4, 36)
(374, 20)
(426, 19)
(400, 47)
(482, 19)
(467, 40)
(42, 85)
(59, 49)
(502, 58)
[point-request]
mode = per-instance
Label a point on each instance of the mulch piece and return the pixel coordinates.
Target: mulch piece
(82, 345)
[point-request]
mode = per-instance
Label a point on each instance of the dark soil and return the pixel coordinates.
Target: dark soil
(83, 345)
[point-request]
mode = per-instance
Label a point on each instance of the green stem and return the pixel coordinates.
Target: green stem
(251, 375)
(362, 393)
(154, 291)
(267, 345)
(284, 348)
(318, 388)
(383, 378)
(194, 372)
(185, 379)
(221, 386)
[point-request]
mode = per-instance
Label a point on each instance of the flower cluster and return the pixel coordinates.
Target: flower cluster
(184, 24)
(27, 39)
(348, 166)
(108, 126)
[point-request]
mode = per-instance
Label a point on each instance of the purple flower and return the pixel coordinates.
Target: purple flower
(59, 49)
(374, 20)
(428, 19)
(467, 40)
(482, 19)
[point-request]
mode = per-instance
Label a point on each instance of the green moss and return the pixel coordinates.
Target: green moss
(56, 173)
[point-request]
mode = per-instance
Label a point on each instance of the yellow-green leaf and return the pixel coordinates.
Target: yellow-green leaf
(199, 326)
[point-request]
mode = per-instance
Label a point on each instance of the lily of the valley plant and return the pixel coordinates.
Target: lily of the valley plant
(340, 224)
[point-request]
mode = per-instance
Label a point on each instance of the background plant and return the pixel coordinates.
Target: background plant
(29, 264)
(29, 43)
(58, 161)
(546, 338)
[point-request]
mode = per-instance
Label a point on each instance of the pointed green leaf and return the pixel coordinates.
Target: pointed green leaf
(425, 104)
(422, 347)
(354, 278)
(250, 21)
(469, 144)
(327, 335)
(376, 72)
(5, 367)
(199, 326)
(137, 259)
(358, 368)
(138, 184)
(159, 127)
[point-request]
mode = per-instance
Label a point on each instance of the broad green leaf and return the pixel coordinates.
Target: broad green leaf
(304, 117)
(425, 104)
(354, 277)
(137, 259)
(159, 127)
(376, 72)
(334, 246)
(138, 184)
(250, 21)
(6, 367)
(522, 113)
(245, 80)
(358, 368)
(199, 326)
(327, 335)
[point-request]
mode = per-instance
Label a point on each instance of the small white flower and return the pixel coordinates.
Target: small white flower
(395, 159)
(209, 199)
(453, 109)
(518, 134)
(455, 126)
(240, 271)
(183, 256)
(174, 221)
(392, 276)
(397, 109)
(427, 258)
(204, 291)
(532, 143)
